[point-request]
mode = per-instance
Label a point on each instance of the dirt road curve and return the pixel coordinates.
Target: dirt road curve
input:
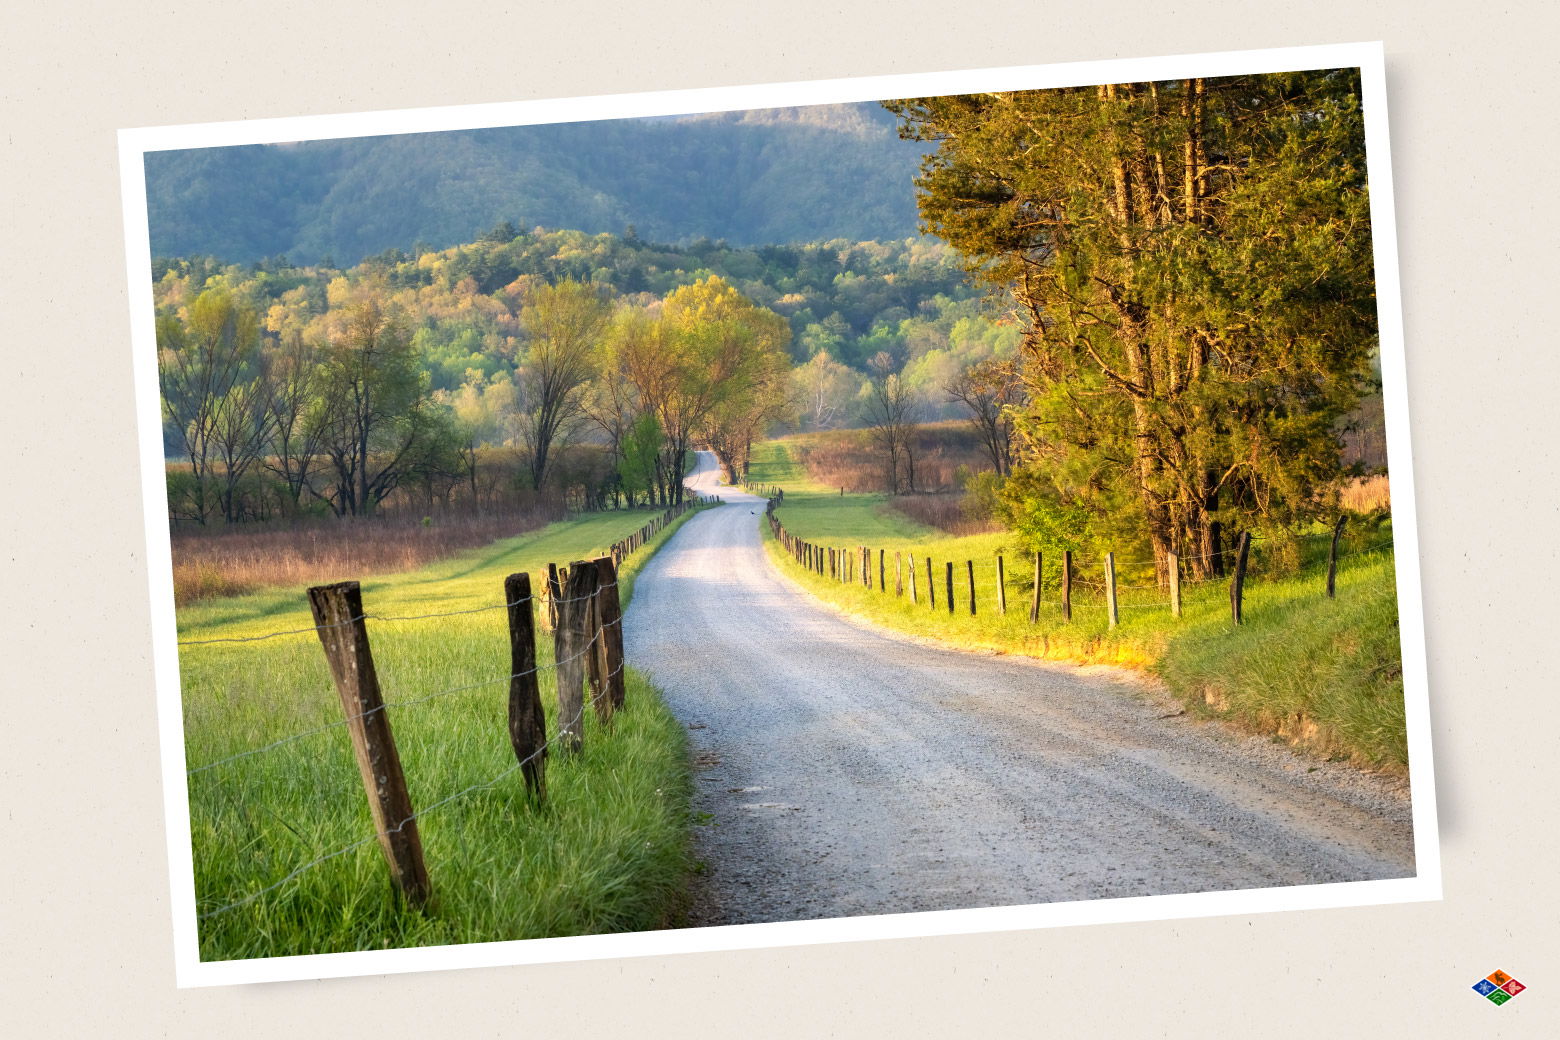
(844, 771)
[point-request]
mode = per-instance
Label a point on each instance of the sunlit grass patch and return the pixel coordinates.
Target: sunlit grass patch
(606, 852)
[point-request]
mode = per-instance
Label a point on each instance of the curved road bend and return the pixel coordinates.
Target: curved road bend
(848, 772)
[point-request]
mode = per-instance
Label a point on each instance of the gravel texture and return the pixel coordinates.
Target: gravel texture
(844, 770)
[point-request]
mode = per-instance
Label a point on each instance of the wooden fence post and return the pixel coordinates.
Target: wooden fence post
(1034, 600)
(1332, 558)
(1238, 583)
(570, 644)
(609, 611)
(595, 671)
(338, 615)
(1067, 584)
(914, 592)
(1173, 567)
(527, 724)
(1001, 588)
(931, 583)
(882, 572)
(554, 594)
(1110, 588)
(899, 575)
(948, 570)
(969, 570)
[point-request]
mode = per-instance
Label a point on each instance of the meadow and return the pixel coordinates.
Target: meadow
(284, 850)
(1320, 673)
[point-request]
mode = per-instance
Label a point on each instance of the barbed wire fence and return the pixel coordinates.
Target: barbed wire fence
(955, 586)
(584, 610)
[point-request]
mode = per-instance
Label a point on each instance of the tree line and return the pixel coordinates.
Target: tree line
(335, 411)
(1190, 265)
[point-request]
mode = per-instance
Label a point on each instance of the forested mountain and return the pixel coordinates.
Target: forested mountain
(753, 177)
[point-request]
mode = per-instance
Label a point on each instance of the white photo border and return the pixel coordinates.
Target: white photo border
(191, 971)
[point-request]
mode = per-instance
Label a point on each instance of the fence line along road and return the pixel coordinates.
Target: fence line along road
(588, 663)
(841, 564)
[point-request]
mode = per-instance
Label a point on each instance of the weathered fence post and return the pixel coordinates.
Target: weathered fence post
(1332, 559)
(1110, 588)
(554, 594)
(595, 671)
(914, 592)
(338, 615)
(899, 575)
(969, 570)
(1173, 568)
(609, 611)
(882, 572)
(1067, 584)
(527, 724)
(1001, 588)
(1238, 583)
(1034, 600)
(931, 583)
(948, 569)
(571, 642)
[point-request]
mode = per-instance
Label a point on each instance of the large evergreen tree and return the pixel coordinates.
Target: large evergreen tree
(1192, 262)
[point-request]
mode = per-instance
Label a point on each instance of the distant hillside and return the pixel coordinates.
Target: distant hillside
(757, 177)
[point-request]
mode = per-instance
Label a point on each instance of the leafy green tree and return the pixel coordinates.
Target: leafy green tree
(1192, 263)
(375, 415)
(208, 368)
(565, 324)
(641, 453)
(734, 369)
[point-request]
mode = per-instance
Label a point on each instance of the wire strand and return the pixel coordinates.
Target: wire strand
(394, 704)
(562, 732)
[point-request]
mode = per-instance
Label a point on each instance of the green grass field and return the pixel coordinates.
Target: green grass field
(1321, 673)
(607, 852)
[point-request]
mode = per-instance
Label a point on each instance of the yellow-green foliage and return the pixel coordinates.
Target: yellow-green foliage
(607, 852)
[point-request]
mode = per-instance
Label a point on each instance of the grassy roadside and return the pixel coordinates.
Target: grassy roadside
(1318, 673)
(608, 852)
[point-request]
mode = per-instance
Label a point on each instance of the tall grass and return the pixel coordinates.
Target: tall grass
(608, 850)
(1320, 673)
(948, 513)
(847, 458)
(230, 560)
(1367, 494)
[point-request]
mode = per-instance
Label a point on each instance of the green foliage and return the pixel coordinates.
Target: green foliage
(641, 448)
(982, 494)
(1192, 261)
(852, 299)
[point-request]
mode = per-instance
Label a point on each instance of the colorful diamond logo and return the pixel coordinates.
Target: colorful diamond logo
(1497, 987)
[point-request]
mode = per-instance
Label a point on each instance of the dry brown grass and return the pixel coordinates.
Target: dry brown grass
(945, 512)
(1367, 494)
(228, 561)
(847, 459)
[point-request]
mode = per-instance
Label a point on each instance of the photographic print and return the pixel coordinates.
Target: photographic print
(688, 521)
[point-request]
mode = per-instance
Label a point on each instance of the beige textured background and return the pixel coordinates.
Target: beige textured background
(85, 937)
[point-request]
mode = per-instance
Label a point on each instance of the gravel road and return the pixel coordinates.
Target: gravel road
(844, 770)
